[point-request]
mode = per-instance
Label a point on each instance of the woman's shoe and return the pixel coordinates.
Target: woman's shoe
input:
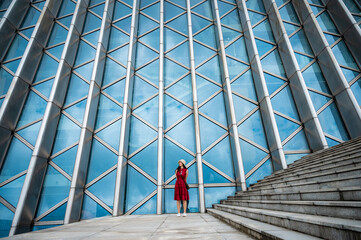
(178, 215)
(184, 214)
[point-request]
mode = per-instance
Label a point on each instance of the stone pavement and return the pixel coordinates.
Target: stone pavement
(167, 226)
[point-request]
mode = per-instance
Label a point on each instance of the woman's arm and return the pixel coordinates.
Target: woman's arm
(186, 175)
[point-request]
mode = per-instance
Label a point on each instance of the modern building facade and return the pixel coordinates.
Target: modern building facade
(101, 98)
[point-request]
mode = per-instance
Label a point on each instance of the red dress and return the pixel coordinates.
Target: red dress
(180, 190)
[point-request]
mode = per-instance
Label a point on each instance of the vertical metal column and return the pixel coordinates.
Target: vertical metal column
(75, 199)
(19, 88)
(307, 113)
(31, 190)
(160, 111)
(272, 134)
(119, 194)
(347, 26)
(10, 22)
(340, 89)
(237, 156)
(202, 205)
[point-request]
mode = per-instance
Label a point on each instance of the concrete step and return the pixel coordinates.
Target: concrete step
(329, 153)
(303, 163)
(326, 194)
(351, 144)
(318, 226)
(341, 209)
(353, 181)
(330, 174)
(258, 229)
(338, 163)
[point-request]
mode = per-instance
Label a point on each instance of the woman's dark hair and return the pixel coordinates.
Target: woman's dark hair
(178, 168)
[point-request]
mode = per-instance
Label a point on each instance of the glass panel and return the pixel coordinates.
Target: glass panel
(207, 37)
(6, 219)
(56, 215)
(178, 24)
(264, 31)
(30, 133)
(244, 85)
(77, 111)
(111, 134)
(214, 195)
(186, 138)
(356, 89)
(58, 35)
(101, 159)
(152, 11)
(314, 78)
(67, 7)
(220, 157)
(77, 89)
(215, 109)
(151, 39)
(263, 47)
(232, 20)
(55, 189)
(93, 37)
(171, 11)
(263, 171)
(150, 72)
(299, 43)
(252, 129)
(45, 87)
(91, 209)
(183, 90)
(303, 60)
(181, 54)
(116, 91)
(209, 132)
(326, 23)
(150, 207)
(331, 122)
(121, 55)
(56, 51)
(5, 82)
(288, 13)
(107, 111)
(242, 107)
(31, 17)
(66, 160)
(318, 100)
(204, 9)
(147, 159)
(235, 67)
(91, 22)
(11, 191)
(298, 142)
(145, 24)
(172, 71)
(283, 103)
(138, 187)
(142, 91)
(17, 47)
(290, 158)
(272, 63)
(255, 17)
(117, 38)
(104, 188)
(124, 24)
(144, 55)
(112, 71)
(201, 53)
(273, 83)
(33, 110)
(121, 10)
(66, 134)
(285, 126)
(255, 5)
(211, 70)
(343, 55)
(251, 155)
(171, 38)
(172, 153)
(174, 110)
(140, 134)
(84, 54)
(211, 176)
(198, 23)
(17, 160)
(224, 7)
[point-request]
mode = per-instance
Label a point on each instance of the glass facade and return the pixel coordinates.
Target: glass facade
(101, 98)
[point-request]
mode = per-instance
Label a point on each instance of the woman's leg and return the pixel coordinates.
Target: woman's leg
(185, 206)
(178, 206)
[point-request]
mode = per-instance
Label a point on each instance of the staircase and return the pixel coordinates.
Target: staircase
(316, 197)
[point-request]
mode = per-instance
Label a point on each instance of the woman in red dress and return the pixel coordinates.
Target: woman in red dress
(180, 190)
